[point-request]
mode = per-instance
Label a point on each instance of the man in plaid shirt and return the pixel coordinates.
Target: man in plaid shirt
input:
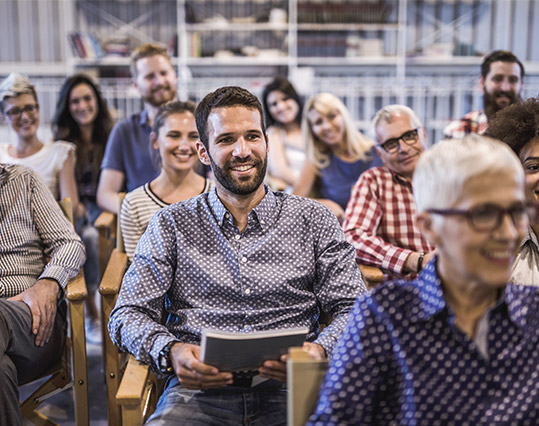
(379, 218)
(501, 82)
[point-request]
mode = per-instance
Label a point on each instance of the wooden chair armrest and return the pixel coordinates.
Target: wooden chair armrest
(105, 220)
(76, 288)
(133, 382)
(371, 274)
(112, 278)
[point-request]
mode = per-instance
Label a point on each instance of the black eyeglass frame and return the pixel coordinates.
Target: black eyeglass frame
(396, 141)
(529, 210)
(28, 109)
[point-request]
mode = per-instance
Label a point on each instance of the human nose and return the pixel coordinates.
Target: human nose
(183, 143)
(508, 229)
(241, 148)
(506, 85)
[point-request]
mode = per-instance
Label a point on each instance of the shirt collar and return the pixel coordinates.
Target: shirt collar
(430, 301)
(265, 211)
(400, 179)
(530, 237)
(3, 172)
(144, 118)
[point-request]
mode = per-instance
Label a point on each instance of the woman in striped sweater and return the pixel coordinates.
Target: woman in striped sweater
(173, 138)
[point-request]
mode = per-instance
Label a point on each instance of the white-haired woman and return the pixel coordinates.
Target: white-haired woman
(457, 345)
(53, 161)
(337, 153)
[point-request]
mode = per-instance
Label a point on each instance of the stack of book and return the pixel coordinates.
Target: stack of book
(85, 46)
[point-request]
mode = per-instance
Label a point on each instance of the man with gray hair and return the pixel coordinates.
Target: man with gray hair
(379, 218)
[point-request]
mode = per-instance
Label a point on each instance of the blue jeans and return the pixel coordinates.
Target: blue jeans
(263, 405)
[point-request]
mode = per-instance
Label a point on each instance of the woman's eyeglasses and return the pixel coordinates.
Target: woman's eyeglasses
(17, 112)
(489, 217)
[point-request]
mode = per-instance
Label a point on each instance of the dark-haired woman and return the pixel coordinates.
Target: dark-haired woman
(82, 117)
(283, 107)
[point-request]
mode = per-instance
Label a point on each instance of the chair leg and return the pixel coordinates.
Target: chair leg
(80, 374)
(112, 363)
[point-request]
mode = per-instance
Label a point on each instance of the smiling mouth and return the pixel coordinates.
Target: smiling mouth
(503, 257)
(243, 168)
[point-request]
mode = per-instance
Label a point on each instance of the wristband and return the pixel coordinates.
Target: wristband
(165, 365)
(420, 262)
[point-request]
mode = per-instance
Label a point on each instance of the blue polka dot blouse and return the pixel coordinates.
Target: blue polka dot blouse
(402, 361)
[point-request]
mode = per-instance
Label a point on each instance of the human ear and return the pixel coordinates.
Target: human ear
(202, 153)
(481, 83)
(428, 228)
(153, 140)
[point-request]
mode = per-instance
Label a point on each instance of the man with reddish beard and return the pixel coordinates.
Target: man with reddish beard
(128, 163)
(379, 219)
(501, 81)
(240, 258)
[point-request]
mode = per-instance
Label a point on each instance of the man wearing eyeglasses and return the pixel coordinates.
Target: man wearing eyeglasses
(379, 218)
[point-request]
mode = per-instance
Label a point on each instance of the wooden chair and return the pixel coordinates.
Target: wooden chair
(106, 225)
(304, 376)
(70, 371)
(109, 289)
(138, 393)
(371, 275)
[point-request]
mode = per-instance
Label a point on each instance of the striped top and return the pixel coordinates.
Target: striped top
(33, 228)
(137, 209)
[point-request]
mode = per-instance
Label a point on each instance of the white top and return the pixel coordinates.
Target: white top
(526, 265)
(47, 162)
(138, 208)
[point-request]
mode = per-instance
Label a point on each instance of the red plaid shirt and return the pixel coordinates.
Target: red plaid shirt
(379, 221)
(473, 122)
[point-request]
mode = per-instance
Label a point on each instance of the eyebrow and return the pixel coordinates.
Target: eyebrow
(531, 158)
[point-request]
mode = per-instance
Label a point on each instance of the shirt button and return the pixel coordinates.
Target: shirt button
(244, 259)
(226, 215)
(248, 291)
(262, 222)
(246, 327)
(237, 237)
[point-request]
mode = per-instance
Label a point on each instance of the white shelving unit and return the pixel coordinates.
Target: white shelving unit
(34, 40)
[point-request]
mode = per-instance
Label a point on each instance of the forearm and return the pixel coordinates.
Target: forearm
(108, 200)
(330, 335)
(374, 251)
(139, 332)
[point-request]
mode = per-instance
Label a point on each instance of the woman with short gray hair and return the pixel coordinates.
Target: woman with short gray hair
(457, 345)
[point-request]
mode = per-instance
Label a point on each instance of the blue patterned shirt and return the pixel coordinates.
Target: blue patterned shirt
(291, 260)
(403, 361)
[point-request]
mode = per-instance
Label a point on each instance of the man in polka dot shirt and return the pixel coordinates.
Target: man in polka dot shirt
(240, 258)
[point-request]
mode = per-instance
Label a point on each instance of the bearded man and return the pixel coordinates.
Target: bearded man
(501, 81)
(240, 258)
(127, 163)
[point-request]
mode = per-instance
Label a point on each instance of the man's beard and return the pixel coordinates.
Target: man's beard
(490, 103)
(237, 186)
(161, 100)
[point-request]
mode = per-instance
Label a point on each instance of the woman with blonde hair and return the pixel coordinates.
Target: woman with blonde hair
(337, 153)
